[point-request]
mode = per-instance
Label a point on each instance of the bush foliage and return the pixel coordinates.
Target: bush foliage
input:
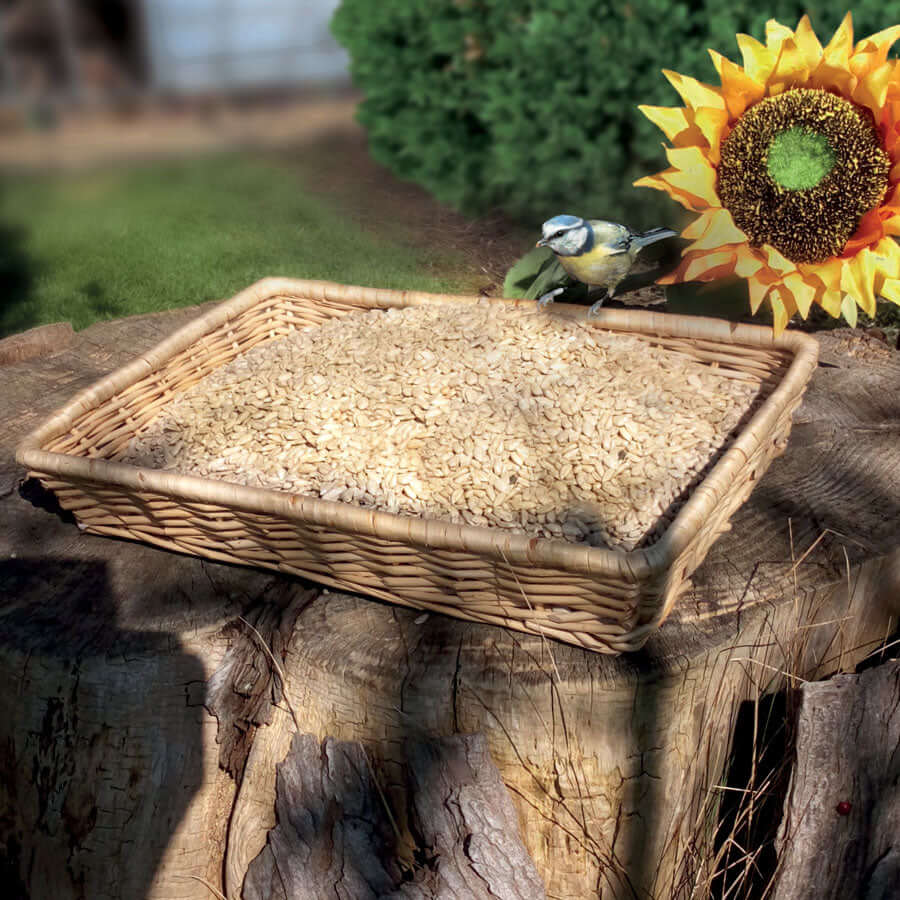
(530, 106)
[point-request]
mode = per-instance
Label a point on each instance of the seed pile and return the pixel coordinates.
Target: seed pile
(478, 414)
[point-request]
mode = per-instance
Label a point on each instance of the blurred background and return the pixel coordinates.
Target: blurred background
(162, 153)
(111, 49)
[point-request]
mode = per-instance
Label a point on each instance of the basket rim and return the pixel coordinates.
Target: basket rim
(541, 552)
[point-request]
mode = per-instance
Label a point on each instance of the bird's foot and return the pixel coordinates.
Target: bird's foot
(594, 311)
(549, 297)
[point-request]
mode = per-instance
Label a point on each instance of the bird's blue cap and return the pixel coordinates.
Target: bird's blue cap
(564, 221)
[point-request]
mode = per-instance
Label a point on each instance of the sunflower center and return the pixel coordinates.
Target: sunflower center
(799, 170)
(798, 159)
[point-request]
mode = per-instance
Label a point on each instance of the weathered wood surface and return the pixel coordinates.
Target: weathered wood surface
(111, 780)
(334, 835)
(848, 752)
(40, 341)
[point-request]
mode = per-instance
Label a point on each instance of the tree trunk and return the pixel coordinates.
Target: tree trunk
(838, 837)
(143, 719)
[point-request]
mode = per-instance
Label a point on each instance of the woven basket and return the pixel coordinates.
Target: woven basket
(599, 599)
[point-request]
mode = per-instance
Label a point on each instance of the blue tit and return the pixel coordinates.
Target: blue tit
(594, 251)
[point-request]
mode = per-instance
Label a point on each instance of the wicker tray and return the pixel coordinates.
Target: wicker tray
(599, 599)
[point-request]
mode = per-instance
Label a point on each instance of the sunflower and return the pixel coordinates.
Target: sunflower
(794, 167)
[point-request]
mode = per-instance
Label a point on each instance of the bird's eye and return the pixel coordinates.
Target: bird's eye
(559, 234)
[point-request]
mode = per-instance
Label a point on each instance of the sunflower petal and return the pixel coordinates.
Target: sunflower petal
(891, 119)
(869, 231)
(879, 44)
(873, 87)
(780, 315)
(692, 174)
(892, 203)
(836, 78)
(857, 280)
(886, 255)
(833, 72)
(670, 120)
(837, 50)
(699, 226)
(758, 291)
(807, 42)
(828, 272)
(802, 292)
(776, 33)
(738, 88)
(701, 266)
(827, 276)
(719, 230)
(830, 301)
(891, 290)
(694, 93)
(792, 66)
(774, 260)
(659, 183)
(676, 276)
(712, 123)
(748, 262)
(789, 301)
(890, 250)
(759, 60)
(709, 266)
(848, 310)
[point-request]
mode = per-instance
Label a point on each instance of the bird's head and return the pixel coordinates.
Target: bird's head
(566, 235)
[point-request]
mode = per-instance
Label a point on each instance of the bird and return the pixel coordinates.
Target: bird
(595, 252)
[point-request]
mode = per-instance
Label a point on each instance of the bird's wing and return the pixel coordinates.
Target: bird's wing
(654, 235)
(619, 237)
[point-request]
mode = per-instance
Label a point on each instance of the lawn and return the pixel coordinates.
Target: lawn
(119, 241)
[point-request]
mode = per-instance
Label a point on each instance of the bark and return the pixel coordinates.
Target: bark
(467, 826)
(334, 833)
(848, 735)
(243, 691)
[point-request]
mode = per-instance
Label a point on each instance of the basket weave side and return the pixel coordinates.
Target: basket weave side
(595, 613)
(599, 599)
(675, 579)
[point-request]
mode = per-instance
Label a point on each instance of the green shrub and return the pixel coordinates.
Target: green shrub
(531, 107)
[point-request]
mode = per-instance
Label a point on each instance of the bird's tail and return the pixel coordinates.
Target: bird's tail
(654, 235)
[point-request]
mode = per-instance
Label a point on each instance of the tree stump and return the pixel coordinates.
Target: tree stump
(144, 716)
(838, 836)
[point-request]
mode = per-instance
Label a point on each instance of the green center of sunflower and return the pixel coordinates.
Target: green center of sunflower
(799, 170)
(798, 159)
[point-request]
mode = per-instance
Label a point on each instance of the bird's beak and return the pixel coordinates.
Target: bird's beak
(541, 243)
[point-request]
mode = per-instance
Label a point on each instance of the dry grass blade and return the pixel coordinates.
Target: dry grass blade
(278, 669)
(406, 847)
(211, 888)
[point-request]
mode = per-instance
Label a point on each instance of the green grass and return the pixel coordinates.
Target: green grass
(122, 241)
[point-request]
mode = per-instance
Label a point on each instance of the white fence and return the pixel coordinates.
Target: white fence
(200, 45)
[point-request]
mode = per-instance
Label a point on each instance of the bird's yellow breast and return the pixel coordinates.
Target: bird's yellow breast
(597, 266)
